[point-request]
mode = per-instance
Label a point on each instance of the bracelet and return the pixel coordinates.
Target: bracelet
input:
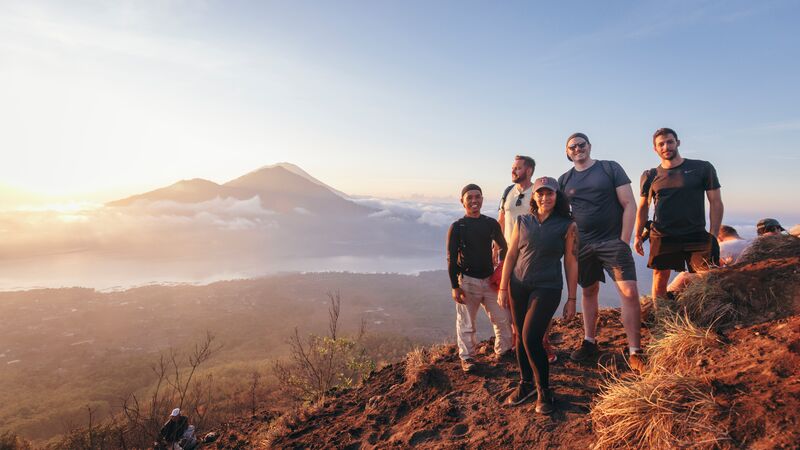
(572, 298)
(502, 290)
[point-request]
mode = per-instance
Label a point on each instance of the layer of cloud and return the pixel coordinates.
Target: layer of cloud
(228, 207)
(437, 214)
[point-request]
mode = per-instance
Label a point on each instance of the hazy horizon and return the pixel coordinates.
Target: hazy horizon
(396, 105)
(104, 100)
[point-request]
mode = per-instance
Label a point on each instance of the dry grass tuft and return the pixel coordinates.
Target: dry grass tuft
(706, 301)
(421, 370)
(767, 247)
(288, 422)
(417, 361)
(681, 344)
(762, 285)
(670, 406)
(661, 410)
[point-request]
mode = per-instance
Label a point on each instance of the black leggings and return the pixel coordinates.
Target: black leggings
(531, 310)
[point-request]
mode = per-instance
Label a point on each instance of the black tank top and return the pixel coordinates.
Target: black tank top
(541, 247)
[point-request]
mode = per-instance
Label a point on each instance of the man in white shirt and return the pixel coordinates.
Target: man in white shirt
(517, 198)
(731, 245)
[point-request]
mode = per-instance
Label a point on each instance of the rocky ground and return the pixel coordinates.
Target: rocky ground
(733, 350)
(428, 402)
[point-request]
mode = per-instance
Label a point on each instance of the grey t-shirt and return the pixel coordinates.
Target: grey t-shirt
(541, 247)
(593, 195)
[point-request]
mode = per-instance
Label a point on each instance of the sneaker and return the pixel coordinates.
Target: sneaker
(551, 352)
(544, 402)
(467, 365)
(506, 356)
(636, 361)
(523, 392)
(586, 351)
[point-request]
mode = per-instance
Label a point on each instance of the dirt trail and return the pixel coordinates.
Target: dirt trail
(439, 406)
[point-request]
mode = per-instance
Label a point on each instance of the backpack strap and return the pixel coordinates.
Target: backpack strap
(458, 231)
(505, 194)
(606, 166)
(563, 185)
(651, 175)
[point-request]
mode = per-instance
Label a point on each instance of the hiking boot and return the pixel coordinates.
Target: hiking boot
(523, 392)
(636, 361)
(551, 352)
(467, 365)
(585, 352)
(544, 402)
(506, 356)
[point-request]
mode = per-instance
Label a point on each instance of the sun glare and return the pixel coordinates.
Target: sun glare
(66, 209)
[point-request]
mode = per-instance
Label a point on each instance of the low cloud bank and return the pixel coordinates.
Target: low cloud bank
(434, 214)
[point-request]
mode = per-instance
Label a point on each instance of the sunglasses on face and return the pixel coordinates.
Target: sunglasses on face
(581, 146)
(519, 199)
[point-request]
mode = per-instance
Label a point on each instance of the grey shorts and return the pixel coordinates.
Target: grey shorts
(614, 256)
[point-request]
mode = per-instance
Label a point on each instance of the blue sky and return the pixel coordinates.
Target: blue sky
(396, 99)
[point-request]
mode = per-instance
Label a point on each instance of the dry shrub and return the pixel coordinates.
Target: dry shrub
(680, 344)
(417, 360)
(670, 406)
(289, 421)
(421, 369)
(706, 301)
(769, 247)
(661, 410)
(762, 285)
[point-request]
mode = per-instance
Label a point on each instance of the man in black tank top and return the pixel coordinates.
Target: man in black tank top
(470, 266)
(678, 188)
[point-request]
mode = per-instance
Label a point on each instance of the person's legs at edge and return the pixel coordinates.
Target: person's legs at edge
(542, 306)
(682, 280)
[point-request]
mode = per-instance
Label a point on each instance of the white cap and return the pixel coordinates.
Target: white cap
(176, 412)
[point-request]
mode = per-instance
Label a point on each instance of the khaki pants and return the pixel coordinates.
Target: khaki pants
(478, 292)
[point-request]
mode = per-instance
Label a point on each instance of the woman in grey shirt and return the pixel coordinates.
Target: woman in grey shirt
(532, 277)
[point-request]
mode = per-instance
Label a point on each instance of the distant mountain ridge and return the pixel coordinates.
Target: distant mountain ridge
(283, 188)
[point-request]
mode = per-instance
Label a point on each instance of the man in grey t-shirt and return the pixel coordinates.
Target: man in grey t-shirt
(604, 210)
